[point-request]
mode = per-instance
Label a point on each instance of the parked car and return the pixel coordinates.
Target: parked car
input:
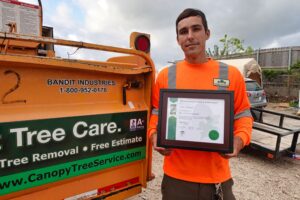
(256, 95)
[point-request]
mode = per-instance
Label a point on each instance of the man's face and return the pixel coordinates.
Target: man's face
(191, 36)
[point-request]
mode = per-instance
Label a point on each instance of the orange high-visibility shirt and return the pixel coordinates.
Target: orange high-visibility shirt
(195, 165)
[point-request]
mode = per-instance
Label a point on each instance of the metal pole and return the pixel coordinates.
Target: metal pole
(290, 58)
(257, 56)
(298, 113)
(299, 101)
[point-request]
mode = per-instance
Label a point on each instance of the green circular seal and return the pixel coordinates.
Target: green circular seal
(213, 135)
(173, 100)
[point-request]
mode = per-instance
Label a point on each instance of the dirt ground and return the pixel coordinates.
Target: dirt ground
(256, 177)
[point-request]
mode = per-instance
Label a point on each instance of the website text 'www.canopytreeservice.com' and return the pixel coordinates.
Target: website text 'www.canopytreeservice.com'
(59, 172)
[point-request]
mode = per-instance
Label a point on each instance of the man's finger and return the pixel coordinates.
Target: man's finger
(165, 152)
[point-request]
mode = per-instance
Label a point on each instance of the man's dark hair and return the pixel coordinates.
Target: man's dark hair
(189, 12)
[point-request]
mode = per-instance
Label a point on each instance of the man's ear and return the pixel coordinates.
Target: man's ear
(207, 34)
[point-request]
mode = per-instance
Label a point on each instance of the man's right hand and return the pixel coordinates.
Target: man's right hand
(161, 150)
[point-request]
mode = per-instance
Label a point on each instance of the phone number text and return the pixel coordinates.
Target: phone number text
(71, 90)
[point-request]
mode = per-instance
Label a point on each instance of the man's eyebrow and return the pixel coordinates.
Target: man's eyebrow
(192, 26)
(182, 28)
(196, 25)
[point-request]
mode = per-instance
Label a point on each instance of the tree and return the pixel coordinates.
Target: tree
(229, 46)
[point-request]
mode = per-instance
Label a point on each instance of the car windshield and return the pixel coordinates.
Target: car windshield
(252, 86)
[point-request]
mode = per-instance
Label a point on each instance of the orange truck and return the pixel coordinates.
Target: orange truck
(71, 129)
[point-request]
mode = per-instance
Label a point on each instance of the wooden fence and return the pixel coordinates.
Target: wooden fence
(275, 58)
(284, 86)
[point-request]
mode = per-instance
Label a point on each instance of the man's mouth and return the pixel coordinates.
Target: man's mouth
(192, 44)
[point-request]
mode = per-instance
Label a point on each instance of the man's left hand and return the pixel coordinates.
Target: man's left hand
(238, 144)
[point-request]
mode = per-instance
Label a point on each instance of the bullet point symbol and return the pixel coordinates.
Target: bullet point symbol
(85, 148)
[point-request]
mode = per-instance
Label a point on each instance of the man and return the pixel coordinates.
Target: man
(192, 174)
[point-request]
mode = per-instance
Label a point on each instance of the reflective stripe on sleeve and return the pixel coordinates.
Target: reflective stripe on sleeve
(172, 77)
(154, 111)
(245, 113)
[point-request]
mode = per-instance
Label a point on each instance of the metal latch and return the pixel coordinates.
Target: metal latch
(129, 85)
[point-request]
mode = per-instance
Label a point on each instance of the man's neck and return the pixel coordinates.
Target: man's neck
(196, 60)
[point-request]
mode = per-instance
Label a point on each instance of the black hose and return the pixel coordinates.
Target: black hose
(41, 6)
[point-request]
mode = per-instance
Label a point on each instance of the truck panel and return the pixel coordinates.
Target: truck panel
(68, 124)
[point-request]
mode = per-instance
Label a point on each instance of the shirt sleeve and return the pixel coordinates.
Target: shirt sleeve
(242, 125)
(159, 83)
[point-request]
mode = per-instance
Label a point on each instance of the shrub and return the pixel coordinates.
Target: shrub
(271, 74)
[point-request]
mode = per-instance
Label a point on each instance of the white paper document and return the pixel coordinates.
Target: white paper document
(26, 17)
(199, 120)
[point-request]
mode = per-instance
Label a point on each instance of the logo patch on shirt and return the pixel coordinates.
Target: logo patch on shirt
(221, 82)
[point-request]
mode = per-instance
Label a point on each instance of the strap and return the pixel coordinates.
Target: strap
(172, 76)
(223, 74)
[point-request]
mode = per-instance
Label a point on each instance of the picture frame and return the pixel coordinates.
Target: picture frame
(196, 119)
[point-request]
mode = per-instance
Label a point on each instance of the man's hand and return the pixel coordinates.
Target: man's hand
(238, 144)
(161, 150)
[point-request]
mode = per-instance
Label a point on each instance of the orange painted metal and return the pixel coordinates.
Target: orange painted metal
(35, 88)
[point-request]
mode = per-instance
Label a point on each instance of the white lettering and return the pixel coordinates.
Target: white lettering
(100, 146)
(102, 128)
(29, 137)
(111, 128)
(94, 130)
(42, 136)
(13, 162)
(59, 134)
(75, 129)
(19, 132)
(82, 129)
(36, 157)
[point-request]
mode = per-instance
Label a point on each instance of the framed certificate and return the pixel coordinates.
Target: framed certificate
(196, 119)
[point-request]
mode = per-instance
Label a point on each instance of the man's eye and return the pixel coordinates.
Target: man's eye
(183, 32)
(198, 28)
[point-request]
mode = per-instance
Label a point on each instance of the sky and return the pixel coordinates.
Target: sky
(259, 23)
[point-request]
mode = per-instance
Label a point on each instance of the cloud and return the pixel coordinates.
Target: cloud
(258, 23)
(261, 24)
(288, 40)
(63, 19)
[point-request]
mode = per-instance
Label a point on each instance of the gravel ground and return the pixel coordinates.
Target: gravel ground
(256, 177)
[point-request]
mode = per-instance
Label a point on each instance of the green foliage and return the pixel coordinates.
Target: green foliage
(296, 66)
(295, 69)
(230, 45)
(270, 74)
(294, 103)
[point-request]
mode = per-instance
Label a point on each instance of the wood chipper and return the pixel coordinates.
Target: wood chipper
(71, 129)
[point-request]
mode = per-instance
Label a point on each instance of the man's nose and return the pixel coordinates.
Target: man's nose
(190, 34)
